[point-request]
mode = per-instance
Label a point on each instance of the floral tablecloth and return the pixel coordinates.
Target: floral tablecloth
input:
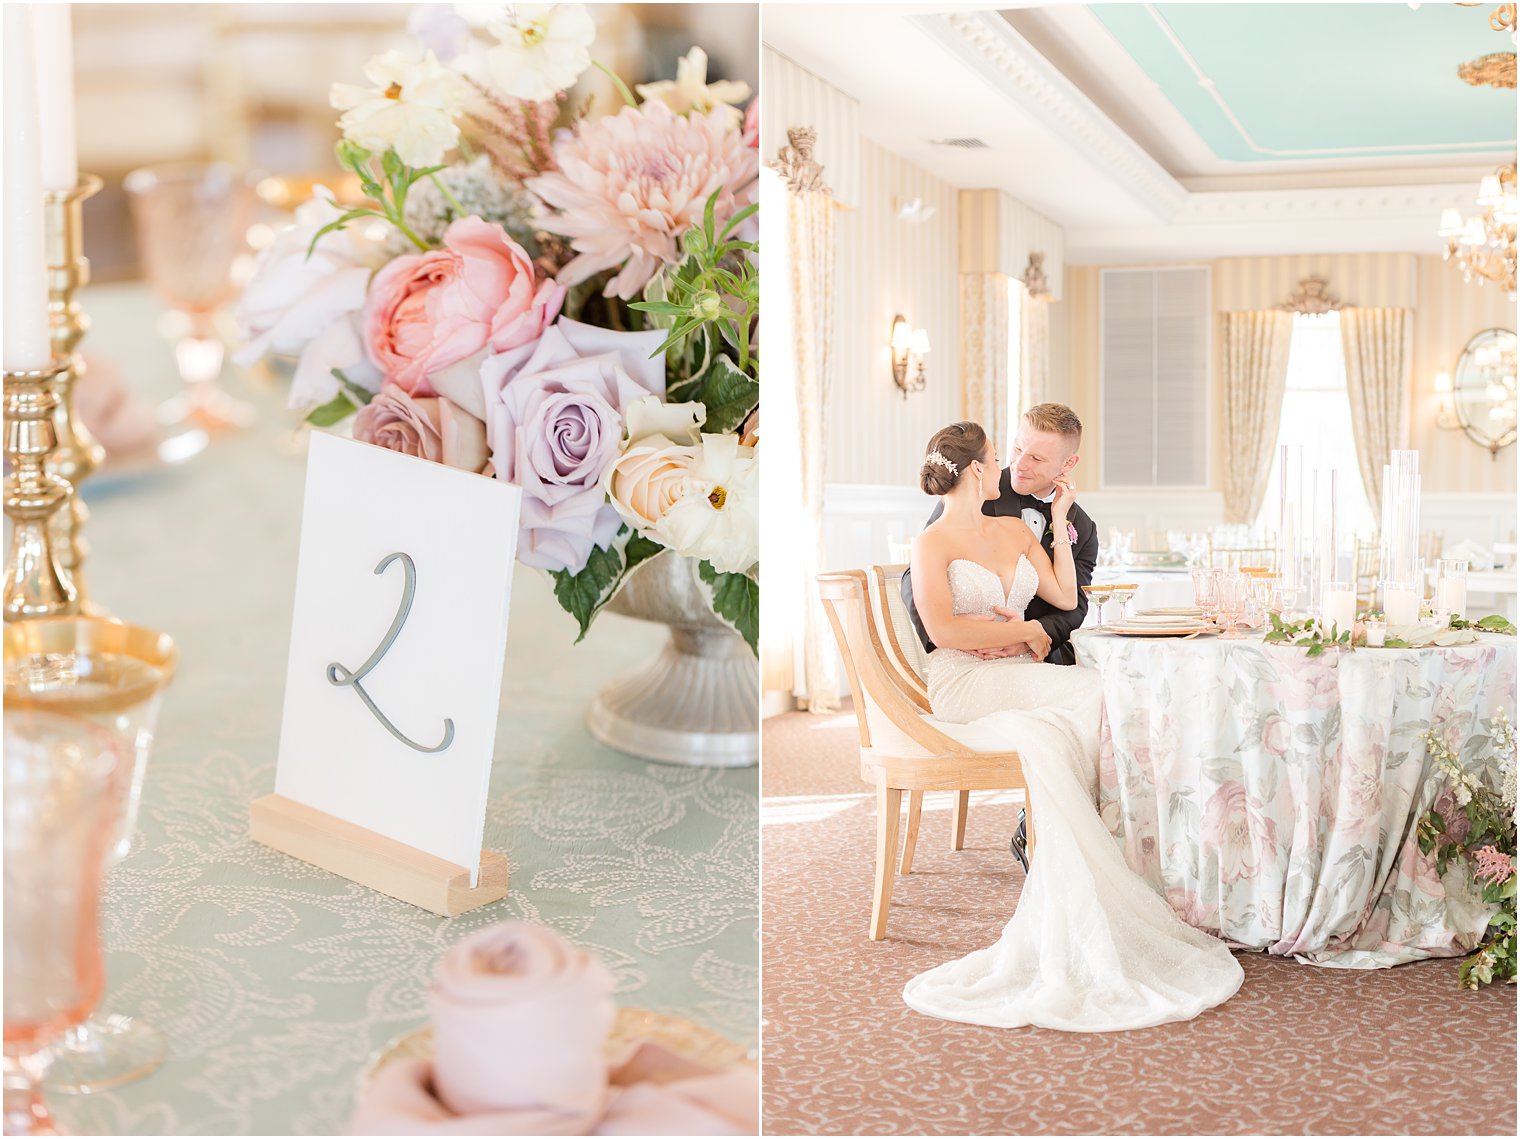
(1273, 796)
(274, 981)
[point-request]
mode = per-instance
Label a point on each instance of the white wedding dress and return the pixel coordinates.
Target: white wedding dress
(1092, 947)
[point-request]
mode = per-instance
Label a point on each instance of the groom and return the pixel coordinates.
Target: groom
(1044, 449)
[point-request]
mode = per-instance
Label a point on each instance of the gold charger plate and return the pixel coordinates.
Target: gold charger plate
(1163, 630)
(687, 1040)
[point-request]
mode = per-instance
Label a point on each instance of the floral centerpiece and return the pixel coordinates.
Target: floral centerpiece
(1474, 821)
(565, 302)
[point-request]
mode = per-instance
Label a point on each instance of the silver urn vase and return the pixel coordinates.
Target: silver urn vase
(698, 702)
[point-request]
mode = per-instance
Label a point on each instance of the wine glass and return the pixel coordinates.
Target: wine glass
(1233, 589)
(1206, 591)
(1122, 594)
(63, 781)
(113, 675)
(1098, 595)
(191, 220)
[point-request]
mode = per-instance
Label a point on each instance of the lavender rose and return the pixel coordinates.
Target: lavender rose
(554, 424)
(429, 427)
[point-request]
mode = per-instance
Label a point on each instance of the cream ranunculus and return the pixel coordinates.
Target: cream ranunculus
(717, 514)
(410, 109)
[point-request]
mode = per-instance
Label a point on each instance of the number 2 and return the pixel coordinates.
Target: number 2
(340, 676)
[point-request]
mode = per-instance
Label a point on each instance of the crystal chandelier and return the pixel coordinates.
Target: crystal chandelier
(1484, 245)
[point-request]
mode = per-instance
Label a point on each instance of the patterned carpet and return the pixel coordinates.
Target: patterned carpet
(1300, 1050)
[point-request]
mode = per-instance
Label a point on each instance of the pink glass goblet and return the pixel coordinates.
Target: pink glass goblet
(191, 220)
(63, 779)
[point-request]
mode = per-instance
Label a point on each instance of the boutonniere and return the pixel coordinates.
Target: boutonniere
(1071, 532)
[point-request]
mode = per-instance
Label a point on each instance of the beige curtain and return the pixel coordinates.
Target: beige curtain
(1255, 376)
(1034, 349)
(984, 352)
(1378, 343)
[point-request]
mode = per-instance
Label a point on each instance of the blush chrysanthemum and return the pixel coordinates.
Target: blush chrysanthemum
(630, 185)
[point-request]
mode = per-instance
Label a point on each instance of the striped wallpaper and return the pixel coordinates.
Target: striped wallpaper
(1447, 313)
(1369, 280)
(795, 97)
(885, 267)
(999, 232)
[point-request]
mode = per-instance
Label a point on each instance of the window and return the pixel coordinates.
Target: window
(1316, 415)
(1016, 403)
(1154, 377)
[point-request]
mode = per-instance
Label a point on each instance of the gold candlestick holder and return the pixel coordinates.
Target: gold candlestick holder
(77, 455)
(35, 584)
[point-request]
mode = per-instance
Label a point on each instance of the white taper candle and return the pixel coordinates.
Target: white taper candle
(53, 35)
(27, 345)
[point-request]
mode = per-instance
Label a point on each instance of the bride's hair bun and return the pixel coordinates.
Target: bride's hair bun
(949, 454)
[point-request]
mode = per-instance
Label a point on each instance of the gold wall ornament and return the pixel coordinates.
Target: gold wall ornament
(796, 164)
(35, 586)
(1497, 69)
(1034, 276)
(1313, 296)
(77, 455)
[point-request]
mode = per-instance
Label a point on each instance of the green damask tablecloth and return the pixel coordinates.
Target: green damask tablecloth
(276, 981)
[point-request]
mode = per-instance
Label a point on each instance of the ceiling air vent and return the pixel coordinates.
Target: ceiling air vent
(963, 143)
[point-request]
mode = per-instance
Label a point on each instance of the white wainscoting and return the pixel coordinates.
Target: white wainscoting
(1483, 517)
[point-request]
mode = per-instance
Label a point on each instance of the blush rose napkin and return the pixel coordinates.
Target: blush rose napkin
(520, 1022)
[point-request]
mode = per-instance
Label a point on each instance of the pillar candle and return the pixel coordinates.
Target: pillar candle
(53, 34)
(1401, 606)
(1451, 593)
(27, 345)
(1338, 608)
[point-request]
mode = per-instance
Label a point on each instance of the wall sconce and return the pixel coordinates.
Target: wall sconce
(909, 344)
(1446, 414)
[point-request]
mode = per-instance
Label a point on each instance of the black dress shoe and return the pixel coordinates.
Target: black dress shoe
(1019, 843)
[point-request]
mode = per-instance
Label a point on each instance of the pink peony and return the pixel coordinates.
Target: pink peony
(430, 428)
(1493, 865)
(429, 311)
(630, 185)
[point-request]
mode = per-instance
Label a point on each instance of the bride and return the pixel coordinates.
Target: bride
(1092, 947)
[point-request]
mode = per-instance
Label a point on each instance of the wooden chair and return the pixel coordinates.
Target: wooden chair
(902, 748)
(905, 653)
(1364, 571)
(1236, 557)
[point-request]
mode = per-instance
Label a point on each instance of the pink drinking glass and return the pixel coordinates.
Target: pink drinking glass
(191, 220)
(63, 778)
(1234, 588)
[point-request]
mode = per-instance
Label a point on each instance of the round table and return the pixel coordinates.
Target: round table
(1273, 796)
(275, 981)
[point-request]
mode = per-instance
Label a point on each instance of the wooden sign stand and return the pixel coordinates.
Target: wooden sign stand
(372, 860)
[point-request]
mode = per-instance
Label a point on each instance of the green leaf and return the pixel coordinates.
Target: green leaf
(338, 408)
(362, 394)
(1496, 623)
(736, 599)
(738, 218)
(583, 595)
(708, 212)
(338, 223)
(728, 394)
(665, 308)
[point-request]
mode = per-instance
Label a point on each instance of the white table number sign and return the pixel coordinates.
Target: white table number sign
(394, 677)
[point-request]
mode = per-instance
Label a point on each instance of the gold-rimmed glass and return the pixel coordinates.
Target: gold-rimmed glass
(63, 779)
(113, 675)
(1098, 596)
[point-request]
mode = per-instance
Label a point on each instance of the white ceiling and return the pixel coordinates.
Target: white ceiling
(1077, 131)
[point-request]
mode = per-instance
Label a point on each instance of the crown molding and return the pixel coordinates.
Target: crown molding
(989, 45)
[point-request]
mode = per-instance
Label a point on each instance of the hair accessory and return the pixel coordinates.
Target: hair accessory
(936, 457)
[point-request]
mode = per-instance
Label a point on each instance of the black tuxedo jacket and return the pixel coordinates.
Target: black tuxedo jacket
(1059, 623)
